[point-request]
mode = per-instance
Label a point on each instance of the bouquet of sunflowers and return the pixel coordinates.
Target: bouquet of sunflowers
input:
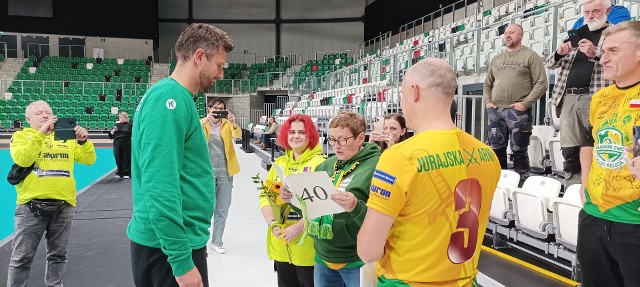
(279, 207)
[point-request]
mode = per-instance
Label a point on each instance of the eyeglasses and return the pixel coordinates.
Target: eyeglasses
(340, 141)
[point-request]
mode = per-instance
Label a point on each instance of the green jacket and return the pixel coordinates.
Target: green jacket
(342, 248)
(171, 177)
(276, 247)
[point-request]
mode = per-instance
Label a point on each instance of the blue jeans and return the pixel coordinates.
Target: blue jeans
(29, 229)
(327, 277)
(224, 187)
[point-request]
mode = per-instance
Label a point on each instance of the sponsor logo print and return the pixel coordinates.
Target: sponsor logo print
(385, 177)
(609, 150)
(380, 191)
(171, 104)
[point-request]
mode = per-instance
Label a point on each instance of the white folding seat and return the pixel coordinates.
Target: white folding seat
(531, 214)
(536, 154)
(470, 62)
(572, 194)
(568, 23)
(509, 181)
(555, 154)
(512, 7)
(546, 187)
(500, 211)
(545, 133)
(565, 221)
(538, 47)
(539, 20)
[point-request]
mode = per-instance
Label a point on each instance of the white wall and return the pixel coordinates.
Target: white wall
(233, 9)
(314, 9)
(259, 39)
(306, 38)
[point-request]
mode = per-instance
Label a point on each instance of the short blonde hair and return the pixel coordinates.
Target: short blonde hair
(123, 114)
(349, 120)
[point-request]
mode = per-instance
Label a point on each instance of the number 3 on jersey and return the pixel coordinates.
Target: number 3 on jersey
(467, 198)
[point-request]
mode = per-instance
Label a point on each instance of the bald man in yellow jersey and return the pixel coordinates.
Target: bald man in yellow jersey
(430, 195)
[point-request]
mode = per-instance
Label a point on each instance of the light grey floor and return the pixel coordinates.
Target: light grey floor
(246, 262)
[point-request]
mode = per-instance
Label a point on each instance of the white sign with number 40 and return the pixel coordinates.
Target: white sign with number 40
(315, 189)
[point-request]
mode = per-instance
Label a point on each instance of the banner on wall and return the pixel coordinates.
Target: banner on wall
(98, 53)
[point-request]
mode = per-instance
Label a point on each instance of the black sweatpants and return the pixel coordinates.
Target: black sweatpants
(608, 252)
(151, 268)
(122, 153)
(290, 275)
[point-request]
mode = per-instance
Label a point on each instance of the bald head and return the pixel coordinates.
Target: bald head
(512, 38)
(434, 76)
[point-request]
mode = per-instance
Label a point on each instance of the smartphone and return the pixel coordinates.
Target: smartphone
(220, 114)
(636, 137)
(63, 129)
(378, 124)
(574, 37)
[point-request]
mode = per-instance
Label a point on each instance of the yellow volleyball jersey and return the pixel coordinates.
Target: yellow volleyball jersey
(612, 193)
(438, 185)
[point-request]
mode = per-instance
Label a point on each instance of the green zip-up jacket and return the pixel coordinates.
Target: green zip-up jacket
(343, 248)
(171, 176)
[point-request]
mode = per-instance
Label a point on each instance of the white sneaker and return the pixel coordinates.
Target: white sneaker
(216, 249)
(126, 177)
(117, 176)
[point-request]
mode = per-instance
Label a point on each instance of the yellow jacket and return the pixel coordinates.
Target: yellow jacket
(52, 175)
(228, 133)
(276, 248)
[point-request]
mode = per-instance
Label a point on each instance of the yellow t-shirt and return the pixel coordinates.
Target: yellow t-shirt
(612, 193)
(438, 185)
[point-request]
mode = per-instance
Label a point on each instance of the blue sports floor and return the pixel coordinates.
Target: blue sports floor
(84, 175)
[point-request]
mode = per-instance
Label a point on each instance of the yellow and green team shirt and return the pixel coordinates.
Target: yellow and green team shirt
(612, 193)
(438, 185)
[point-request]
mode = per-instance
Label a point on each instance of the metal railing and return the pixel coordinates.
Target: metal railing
(41, 86)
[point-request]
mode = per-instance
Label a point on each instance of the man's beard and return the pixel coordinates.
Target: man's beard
(205, 82)
(596, 24)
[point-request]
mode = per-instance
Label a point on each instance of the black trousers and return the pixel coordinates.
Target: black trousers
(151, 268)
(290, 275)
(122, 153)
(608, 252)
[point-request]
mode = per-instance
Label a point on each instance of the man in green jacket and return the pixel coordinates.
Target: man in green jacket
(172, 177)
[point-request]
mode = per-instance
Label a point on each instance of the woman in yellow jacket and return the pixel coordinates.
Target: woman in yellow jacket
(293, 261)
(219, 133)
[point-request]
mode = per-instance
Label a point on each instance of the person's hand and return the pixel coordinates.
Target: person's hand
(386, 137)
(585, 46)
(490, 106)
(564, 48)
(518, 107)
(190, 279)
(293, 231)
(232, 118)
(346, 200)
(208, 118)
(276, 231)
(47, 127)
(114, 130)
(81, 133)
(285, 194)
(375, 136)
(633, 163)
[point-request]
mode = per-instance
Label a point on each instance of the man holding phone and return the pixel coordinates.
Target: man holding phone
(220, 128)
(579, 78)
(46, 197)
